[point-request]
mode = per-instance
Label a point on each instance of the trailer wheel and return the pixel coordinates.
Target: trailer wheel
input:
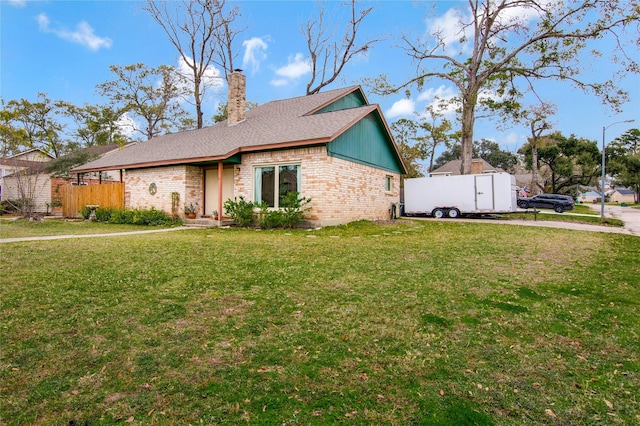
(437, 213)
(453, 213)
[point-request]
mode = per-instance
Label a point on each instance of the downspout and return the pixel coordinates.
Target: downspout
(220, 167)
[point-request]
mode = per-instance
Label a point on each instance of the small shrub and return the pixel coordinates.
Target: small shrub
(103, 214)
(153, 217)
(291, 212)
(9, 206)
(240, 210)
(121, 216)
(269, 219)
(149, 217)
(85, 212)
(294, 208)
(189, 208)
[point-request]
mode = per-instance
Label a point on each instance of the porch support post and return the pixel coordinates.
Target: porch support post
(220, 167)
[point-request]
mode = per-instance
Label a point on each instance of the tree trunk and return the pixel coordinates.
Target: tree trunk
(197, 97)
(534, 169)
(466, 148)
(433, 152)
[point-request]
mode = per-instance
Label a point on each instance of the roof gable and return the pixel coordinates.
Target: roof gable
(302, 121)
(368, 142)
(352, 100)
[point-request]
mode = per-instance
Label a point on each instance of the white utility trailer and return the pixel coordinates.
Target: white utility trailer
(453, 196)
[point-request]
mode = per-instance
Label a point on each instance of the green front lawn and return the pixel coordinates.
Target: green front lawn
(429, 322)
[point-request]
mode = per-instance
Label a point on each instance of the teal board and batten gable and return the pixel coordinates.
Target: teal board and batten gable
(367, 142)
(352, 100)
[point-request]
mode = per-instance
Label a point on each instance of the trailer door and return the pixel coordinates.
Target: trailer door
(484, 192)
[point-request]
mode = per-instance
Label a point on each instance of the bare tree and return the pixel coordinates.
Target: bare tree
(25, 186)
(327, 56)
(538, 118)
(202, 32)
(513, 43)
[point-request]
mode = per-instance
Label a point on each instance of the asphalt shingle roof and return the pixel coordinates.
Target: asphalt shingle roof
(623, 191)
(453, 167)
(285, 122)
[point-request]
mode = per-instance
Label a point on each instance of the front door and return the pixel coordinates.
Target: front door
(211, 188)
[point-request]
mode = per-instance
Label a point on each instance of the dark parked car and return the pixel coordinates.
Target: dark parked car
(557, 202)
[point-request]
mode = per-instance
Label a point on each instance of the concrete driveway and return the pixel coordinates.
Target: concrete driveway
(629, 215)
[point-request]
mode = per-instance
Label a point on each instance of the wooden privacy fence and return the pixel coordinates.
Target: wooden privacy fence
(75, 198)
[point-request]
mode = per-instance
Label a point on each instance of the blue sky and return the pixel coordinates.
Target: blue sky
(65, 48)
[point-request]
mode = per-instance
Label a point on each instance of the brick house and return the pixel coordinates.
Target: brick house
(623, 195)
(333, 147)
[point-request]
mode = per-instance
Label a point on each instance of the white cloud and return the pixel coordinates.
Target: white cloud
(522, 15)
(513, 138)
(254, 53)
(441, 92)
(296, 68)
(453, 29)
(279, 82)
(18, 3)
(450, 31)
(442, 98)
(400, 108)
(212, 76)
(212, 80)
(127, 126)
(82, 35)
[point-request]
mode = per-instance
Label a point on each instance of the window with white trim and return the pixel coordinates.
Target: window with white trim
(272, 183)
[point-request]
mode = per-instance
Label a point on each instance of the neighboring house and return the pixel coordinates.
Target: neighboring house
(590, 197)
(333, 147)
(35, 180)
(478, 166)
(28, 160)
(623, 196)
(525, 181)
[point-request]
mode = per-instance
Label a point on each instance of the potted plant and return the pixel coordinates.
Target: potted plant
(214, 214)
(190, 211)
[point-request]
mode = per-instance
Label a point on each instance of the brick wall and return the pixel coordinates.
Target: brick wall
(185, 180)
(341, 191)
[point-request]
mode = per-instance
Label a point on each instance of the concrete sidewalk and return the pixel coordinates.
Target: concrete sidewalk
(113, 234)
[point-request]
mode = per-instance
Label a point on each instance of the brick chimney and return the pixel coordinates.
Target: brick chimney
(476, 166)
(237, 101)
